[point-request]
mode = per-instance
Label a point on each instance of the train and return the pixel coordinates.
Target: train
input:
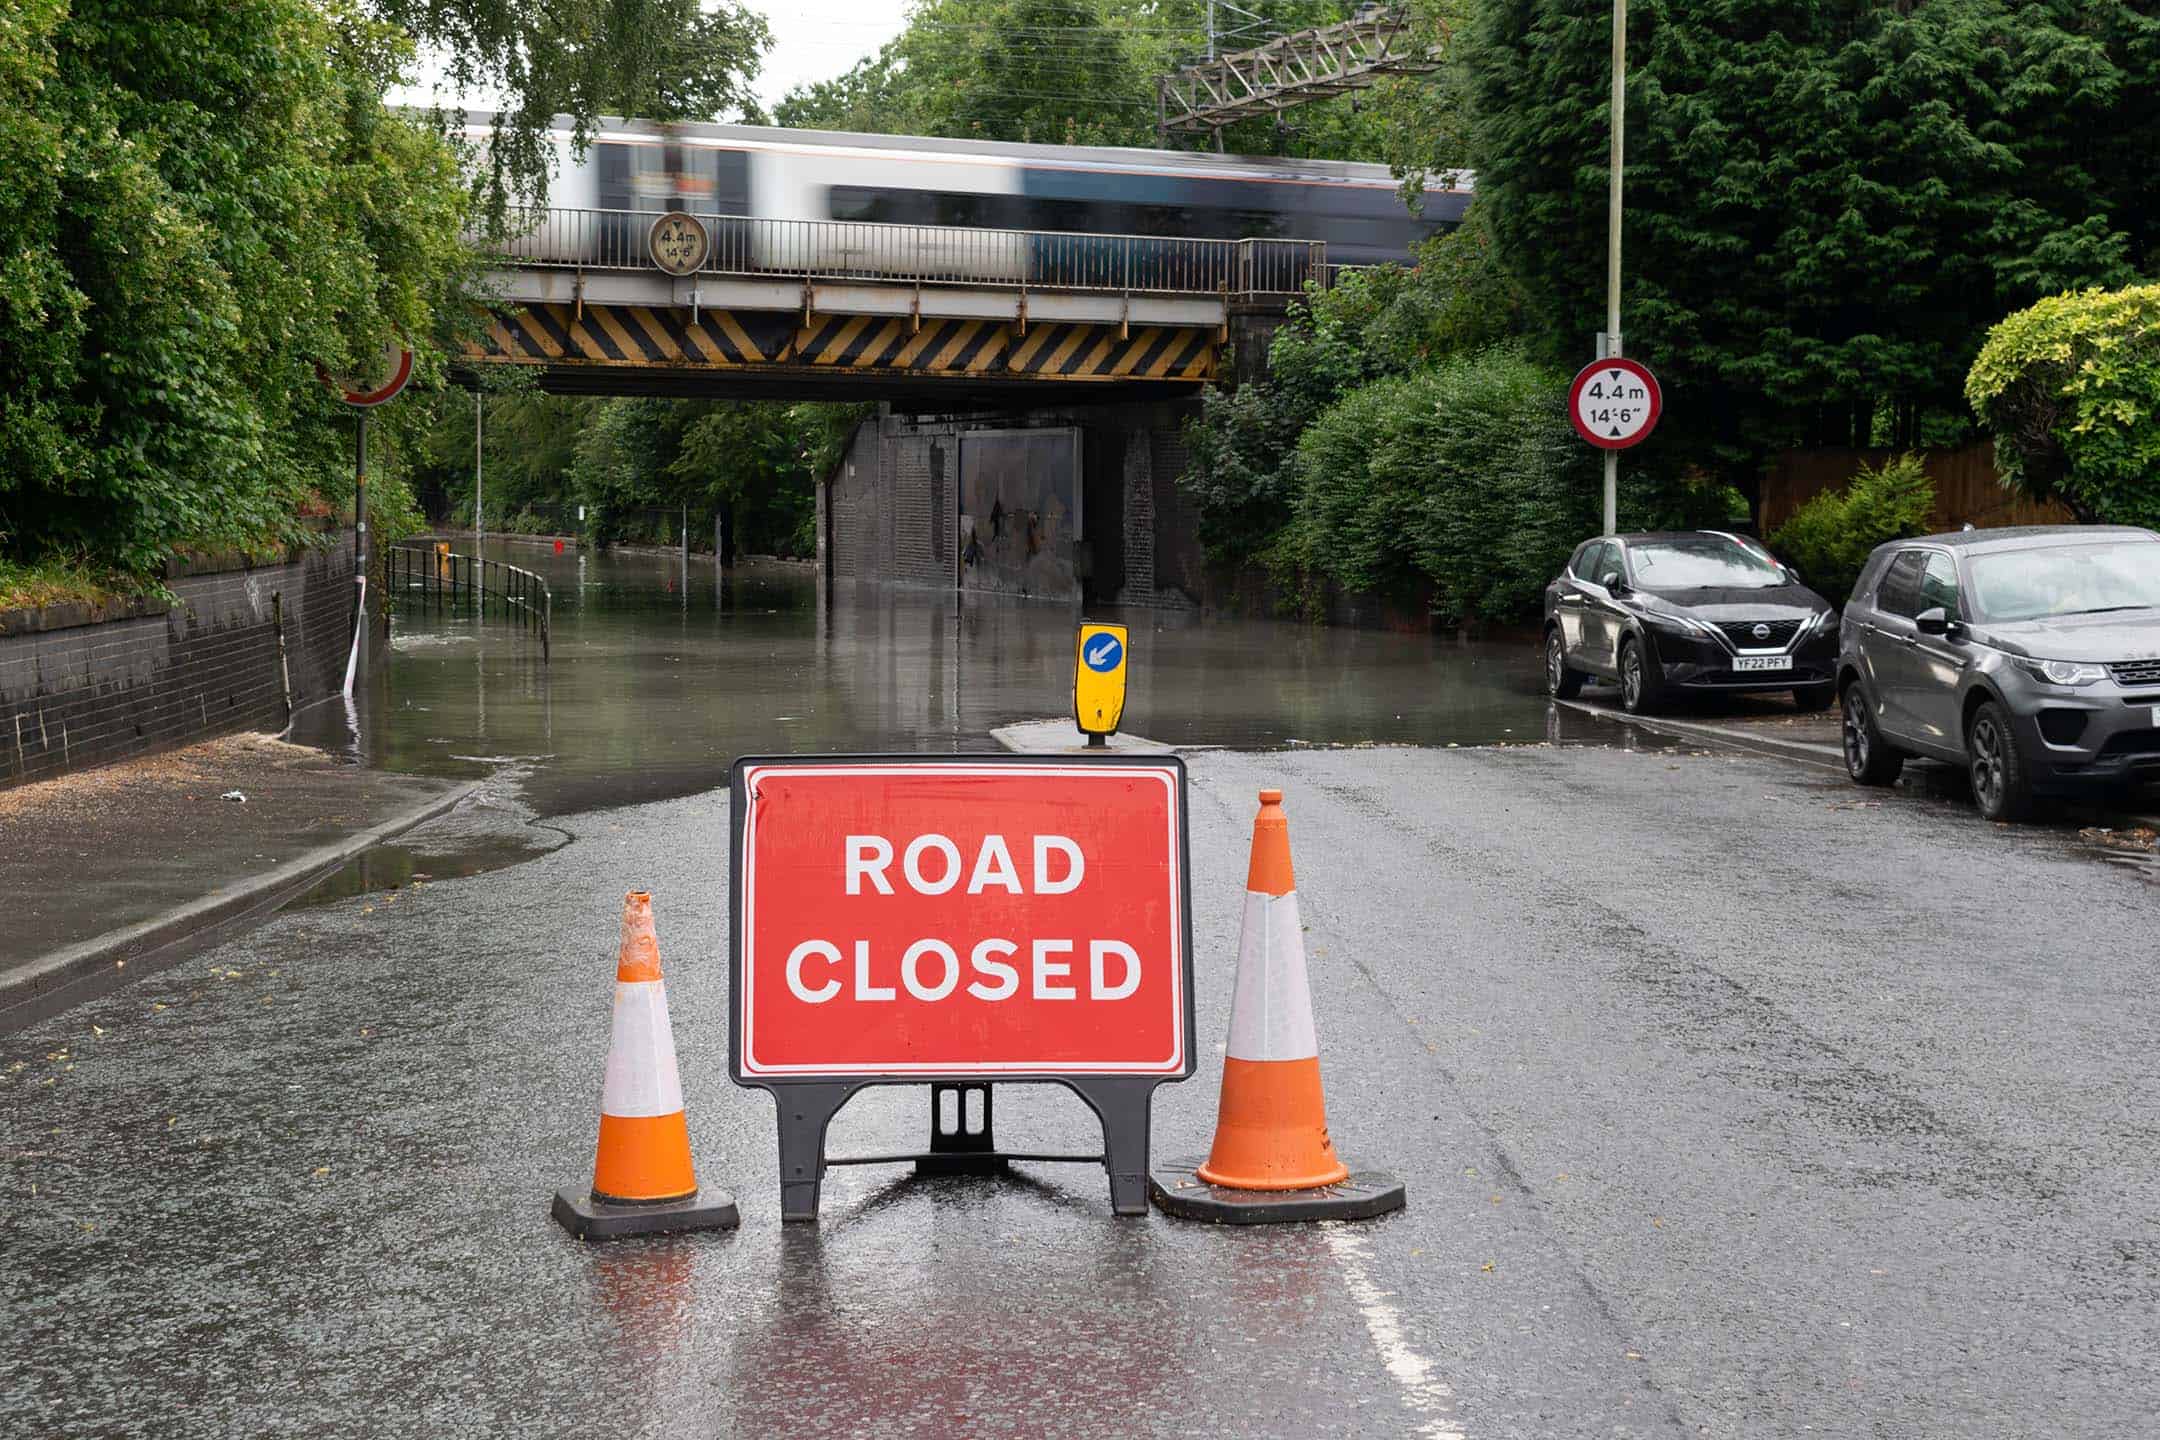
(965, 209)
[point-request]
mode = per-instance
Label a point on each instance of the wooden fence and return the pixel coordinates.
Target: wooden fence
(1967, 487)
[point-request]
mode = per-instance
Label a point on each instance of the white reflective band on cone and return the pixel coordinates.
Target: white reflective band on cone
(641, 1078)
(1271, 1010)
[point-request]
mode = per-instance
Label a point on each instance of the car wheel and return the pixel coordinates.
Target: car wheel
(1868, 759)
(2001, 787)
(1642, 683)
(1813, 697)
(1564, 683)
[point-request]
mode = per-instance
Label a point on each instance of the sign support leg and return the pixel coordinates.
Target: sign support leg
(959, 1150)
(1121, 1103)
(805, 1112)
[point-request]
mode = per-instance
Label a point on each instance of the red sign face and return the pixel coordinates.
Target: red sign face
(1615, 403)
(965, 918)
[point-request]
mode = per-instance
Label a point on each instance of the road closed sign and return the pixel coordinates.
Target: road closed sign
(928, 917)
(1615, 403)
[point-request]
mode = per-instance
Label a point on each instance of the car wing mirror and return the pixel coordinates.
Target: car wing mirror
(1935, 621)
(1614, 582)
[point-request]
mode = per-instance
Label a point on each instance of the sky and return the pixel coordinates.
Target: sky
(812, 40)
(818, 39)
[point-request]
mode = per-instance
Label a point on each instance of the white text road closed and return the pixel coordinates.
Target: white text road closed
(1614, 403)
(959, 919)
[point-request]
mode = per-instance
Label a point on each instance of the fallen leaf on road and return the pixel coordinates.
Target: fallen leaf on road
(2140, 838)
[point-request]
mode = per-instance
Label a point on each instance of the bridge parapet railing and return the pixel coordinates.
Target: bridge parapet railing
(874, 252)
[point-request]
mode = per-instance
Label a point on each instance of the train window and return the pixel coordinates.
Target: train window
(959, 208)
(673, 177)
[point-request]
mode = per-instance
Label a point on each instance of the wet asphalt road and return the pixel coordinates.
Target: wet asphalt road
(1730, 1103)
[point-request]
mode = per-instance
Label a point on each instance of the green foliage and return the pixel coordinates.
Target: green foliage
(1384, 321)
(197, 203)
(2070, 388)
(659, 59)
(1826, 205)
(1083, 72)
(1467, 477)
(635, 464)
(1828, 539)
(57, 581)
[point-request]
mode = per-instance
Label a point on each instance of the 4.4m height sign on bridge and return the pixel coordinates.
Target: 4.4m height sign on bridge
(965, 918)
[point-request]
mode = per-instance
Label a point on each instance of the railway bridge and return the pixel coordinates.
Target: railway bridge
(629, 302)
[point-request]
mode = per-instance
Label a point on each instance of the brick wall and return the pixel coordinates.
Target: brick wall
(80, 694)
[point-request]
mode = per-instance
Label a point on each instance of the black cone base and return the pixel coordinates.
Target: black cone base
(589, 1219)
(1177, 1190)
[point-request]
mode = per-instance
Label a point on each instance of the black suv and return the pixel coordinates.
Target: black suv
(2029, 656)
(1689, 610)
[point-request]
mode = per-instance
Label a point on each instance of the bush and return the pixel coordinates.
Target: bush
(2070, 387)
(1377, 322)
(1828, 539)
(1469, 478)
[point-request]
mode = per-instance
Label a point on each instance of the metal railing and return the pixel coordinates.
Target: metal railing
(436, 576)
(830, 250)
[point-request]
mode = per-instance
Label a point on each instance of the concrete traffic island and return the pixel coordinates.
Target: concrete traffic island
(1062, 737)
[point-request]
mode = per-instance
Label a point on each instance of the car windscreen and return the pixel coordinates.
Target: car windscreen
(1702, 562)
(2038, 584)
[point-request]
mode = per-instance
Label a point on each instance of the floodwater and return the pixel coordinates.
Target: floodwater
(662, 673)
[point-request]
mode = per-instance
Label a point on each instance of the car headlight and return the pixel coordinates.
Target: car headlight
(2066, 672)
(1677, 624)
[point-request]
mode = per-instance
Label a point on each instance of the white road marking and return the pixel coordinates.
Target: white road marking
(1428, 1395)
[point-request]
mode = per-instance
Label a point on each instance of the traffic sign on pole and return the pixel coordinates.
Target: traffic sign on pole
(957, 921)
(365, 395)
(1614, 403)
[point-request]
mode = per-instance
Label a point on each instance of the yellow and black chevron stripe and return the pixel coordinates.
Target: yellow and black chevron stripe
(661, 338)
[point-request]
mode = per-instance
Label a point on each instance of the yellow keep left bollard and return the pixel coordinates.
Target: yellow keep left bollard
(1099, 657)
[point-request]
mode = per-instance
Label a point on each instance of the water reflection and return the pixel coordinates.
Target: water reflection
(662, 673)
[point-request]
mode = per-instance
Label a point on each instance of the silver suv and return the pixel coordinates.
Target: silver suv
(2029, 656)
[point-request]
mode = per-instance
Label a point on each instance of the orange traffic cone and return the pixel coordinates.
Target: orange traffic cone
(642, 1180)
(1272, 1158)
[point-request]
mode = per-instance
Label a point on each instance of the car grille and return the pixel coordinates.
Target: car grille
(1743, 637)
(2136, 672)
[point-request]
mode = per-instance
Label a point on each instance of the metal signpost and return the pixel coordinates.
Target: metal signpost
(397, 369)
(959, 921)
(1609, 342)
(1099, 656)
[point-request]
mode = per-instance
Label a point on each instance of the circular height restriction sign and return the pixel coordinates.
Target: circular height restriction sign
(396, 369)
(678, 243)
(1615, 403)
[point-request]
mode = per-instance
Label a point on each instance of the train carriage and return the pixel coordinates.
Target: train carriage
(910, 207)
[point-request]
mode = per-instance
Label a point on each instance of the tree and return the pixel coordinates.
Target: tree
(2070, 389)
(197, 204)
(658, 59)
(1384, 321)
(1826, 205)
(1076, 72)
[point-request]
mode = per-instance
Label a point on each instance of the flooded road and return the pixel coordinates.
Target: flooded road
(661, 675)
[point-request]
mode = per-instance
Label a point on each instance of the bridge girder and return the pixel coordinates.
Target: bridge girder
(668, 350)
